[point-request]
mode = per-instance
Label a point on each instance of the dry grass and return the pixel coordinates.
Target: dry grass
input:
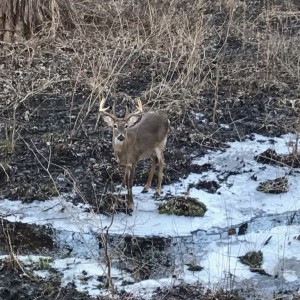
(233, 61)
(175, 55)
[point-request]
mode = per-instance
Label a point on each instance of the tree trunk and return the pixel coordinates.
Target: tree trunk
(19, 19)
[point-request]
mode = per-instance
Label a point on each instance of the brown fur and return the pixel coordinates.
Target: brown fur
(145, 139)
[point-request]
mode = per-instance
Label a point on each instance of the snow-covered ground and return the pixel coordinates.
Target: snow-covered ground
(237, 201)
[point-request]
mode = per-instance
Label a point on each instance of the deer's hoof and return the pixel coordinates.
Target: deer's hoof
(144, 191)
(129, 209)
(156, 195)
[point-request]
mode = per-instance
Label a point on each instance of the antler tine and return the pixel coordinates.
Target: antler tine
(126, 113)
(139, 110)
(139, 105)
(114, 108)
(103, 110)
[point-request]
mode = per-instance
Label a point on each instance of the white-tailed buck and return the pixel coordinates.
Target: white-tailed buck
(137, 141)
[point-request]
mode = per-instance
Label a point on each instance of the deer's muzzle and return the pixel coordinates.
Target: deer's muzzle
(121, 138)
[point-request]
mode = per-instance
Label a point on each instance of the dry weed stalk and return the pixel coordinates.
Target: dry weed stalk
(12, 259)
(13, 127)
(108, 257)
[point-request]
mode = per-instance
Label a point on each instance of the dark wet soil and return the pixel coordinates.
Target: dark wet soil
(15, 284)
(207, 186)
(272, 158)
(188, 292)
(24, 239)
(142, 257)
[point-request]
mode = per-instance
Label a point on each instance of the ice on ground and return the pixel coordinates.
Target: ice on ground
(236, 201)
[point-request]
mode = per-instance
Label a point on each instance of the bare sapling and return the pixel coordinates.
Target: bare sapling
(135, 140)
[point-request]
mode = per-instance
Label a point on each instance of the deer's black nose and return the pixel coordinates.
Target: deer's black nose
(121, 137)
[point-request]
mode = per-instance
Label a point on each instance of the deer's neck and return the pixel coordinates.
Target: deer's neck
(123, 152)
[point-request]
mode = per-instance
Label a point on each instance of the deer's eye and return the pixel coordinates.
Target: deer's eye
(115, 126)
(126, 126)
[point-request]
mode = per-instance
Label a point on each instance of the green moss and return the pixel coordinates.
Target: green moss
(182, 206)
(45, 262)
(54, 137)
(253, 259)
(6, 146)
(194, 267)
(275, 186)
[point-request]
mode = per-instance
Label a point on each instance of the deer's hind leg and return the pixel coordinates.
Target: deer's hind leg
(159, 151)
(154, 161)
(160, 174)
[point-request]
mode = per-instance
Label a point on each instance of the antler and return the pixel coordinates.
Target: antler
(103, 110)
(139, 110)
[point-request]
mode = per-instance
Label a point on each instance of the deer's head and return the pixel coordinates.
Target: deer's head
(120, 125)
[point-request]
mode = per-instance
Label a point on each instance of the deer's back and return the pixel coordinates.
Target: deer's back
(147, 134)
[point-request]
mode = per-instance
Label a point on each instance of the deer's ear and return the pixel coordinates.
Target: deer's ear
(132, 120)
(108, 120)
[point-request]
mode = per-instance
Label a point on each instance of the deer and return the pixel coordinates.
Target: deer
(134, 140)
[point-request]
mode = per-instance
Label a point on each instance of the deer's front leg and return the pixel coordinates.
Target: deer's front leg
(129, 176)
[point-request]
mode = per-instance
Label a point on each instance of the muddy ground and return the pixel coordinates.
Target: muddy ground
(52, 141)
